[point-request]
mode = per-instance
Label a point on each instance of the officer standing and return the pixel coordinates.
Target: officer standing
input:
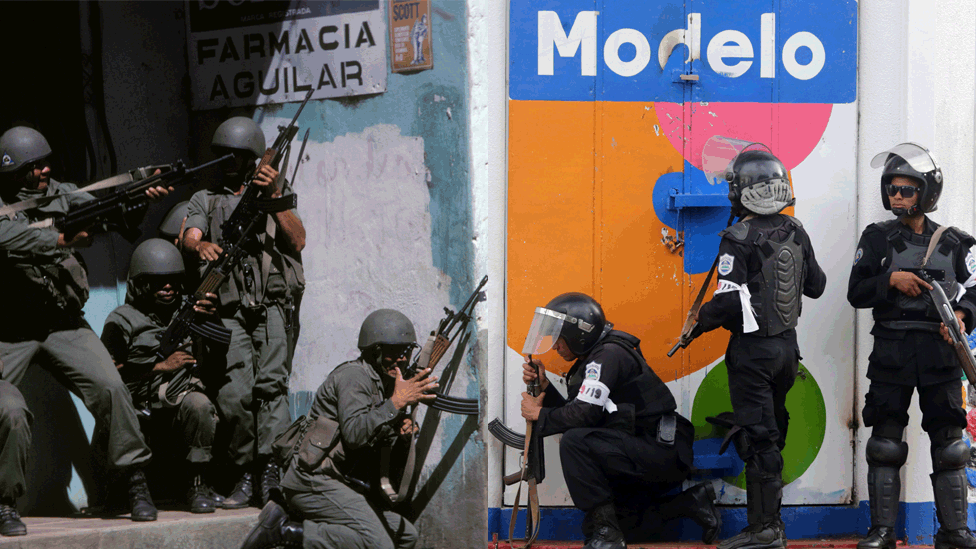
(364, 401)
(765, 263)
(48, 285)
(256, 303)
(621, 432)
(908, 349)
(153, 296)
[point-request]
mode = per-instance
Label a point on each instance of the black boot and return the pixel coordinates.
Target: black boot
(240, 496)
(10, 523)
(274, 530)
(698, 504)
(200, 496)
(764, 495)
(606, 531)
(952, 508)
(143, 509)
(270, 477)
(884, 489)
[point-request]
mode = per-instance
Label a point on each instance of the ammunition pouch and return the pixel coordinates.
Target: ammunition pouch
(321, 444)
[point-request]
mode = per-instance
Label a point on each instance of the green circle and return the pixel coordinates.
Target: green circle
(808, 419)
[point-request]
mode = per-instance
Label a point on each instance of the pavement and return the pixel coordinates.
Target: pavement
(841, 543)
(224, 529)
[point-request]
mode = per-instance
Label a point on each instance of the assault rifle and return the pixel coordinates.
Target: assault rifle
(244, 223)
(122, 208)
(951, 322)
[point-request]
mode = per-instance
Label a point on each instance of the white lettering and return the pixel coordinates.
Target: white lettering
(767, 46)
(729, 43)
(816, 64)
(611, 52)
(550, 34)
(691, 38)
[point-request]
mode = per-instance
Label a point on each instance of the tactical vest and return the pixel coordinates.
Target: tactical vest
(248, 285)
(906, 251)
(777, 288)
(648, 396)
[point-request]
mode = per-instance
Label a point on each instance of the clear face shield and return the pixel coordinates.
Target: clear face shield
(917, 156)
(545, 330)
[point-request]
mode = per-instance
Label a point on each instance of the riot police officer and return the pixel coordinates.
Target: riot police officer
(256, 303)
(765, 264)
(153, 296)
(47, 285)
(363, 400)
(908, 350)
(621, 435)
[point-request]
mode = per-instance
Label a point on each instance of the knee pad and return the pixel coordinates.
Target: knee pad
(886, 452)
(948, 455)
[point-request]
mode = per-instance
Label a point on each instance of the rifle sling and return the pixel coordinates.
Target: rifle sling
(406, 479)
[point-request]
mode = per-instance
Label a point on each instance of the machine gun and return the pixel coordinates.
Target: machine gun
(433, 350)
(244, 223)
(122, 207)
(951, 321)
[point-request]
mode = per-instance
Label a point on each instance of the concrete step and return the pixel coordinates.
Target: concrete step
(224, 529)
(843, 543)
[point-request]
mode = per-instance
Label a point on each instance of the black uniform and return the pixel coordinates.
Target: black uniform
(765, 263)
(611, 439)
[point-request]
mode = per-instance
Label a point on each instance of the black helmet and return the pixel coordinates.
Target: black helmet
(386, 327)
(20, 146)
(240, 133)
(758, 182)
(915, 162)
(584, 322)
(170, 226)
(155, 257)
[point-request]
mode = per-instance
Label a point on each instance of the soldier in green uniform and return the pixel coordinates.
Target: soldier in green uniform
(15, 442)
(364, 399)
(256, 303)
(46, 285)
(153, 296)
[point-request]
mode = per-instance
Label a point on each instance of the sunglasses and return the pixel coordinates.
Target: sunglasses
(396, 352)
(907, 191)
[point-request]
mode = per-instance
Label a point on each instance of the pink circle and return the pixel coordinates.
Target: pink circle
(790, 130)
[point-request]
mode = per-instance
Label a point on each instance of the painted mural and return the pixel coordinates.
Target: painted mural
(611, 106)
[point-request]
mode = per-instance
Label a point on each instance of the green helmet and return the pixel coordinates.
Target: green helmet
(155, 257)
(386, 327)
(240, 133)
(20, 146)
(169, 228)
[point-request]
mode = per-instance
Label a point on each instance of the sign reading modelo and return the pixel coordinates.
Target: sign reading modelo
(256, 52)
(638, 50)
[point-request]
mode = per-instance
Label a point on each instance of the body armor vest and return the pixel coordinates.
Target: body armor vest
(777, 288)
(906, 251)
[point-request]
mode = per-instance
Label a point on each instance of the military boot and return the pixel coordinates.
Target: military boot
(274, 530)
(698, 504)
(240, 496)
(884, 489)
(270, 478)
(606, 531)
(201, 497)
(10, 523)
(764, 494)
(143, 508)
(952, 509)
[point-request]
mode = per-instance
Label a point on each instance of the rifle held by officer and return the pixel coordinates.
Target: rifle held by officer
(951, 321)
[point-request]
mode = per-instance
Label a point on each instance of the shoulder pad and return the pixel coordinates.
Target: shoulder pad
(794, 220)
(965, 238)
(737, 232)
(881, 226)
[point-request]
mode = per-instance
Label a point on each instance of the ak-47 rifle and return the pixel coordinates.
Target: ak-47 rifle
(433, 350)
(951, 321)
(122, 207)
(244, 223)
(533, 472)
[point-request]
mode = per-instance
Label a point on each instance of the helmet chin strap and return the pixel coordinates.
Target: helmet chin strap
(909, 212)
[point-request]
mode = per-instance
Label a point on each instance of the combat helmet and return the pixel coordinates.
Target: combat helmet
(19, 146)
(240, 133)
(758, 182)
(917, 163)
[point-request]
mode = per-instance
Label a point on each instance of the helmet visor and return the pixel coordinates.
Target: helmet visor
(717, 154)
(545, 330)
(918, 157)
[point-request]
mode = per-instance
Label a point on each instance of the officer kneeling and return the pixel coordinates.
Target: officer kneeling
(359, 411)
(623, 446)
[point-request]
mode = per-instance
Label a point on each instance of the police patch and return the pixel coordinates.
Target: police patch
(971, 263)
(858, 255)
(7, 161)
(725, 262)
(592, 371)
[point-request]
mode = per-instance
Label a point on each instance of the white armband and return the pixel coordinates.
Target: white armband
(749, 323)
(596, 393)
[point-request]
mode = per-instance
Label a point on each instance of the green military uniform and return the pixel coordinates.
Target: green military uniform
(256, 303)
(130, 337)
(15, 441)
(46, 288)
(335, 514)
